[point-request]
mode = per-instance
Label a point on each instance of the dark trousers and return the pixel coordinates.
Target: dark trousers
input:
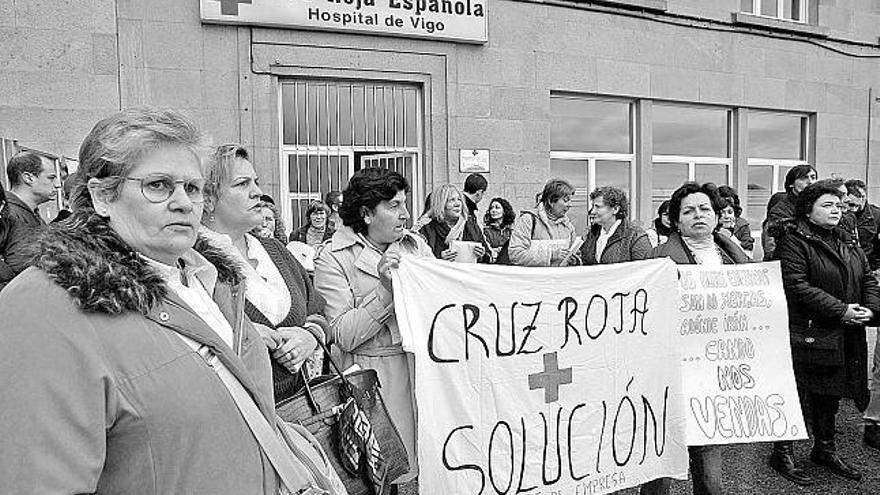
(705, 464)
(823, 412)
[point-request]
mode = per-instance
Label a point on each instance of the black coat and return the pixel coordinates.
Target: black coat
(496, 237)
(868, 225)
(823, 271)
(676, 250)
(435, 234)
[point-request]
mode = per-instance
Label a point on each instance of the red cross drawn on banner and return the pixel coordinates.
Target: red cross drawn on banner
(550, 379)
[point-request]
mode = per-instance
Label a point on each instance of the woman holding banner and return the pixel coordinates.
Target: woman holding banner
(831, 296)
(694, 212)
(544, 237)
(450, 231)
(353, 274)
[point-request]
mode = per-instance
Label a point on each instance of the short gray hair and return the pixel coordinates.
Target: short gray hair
(118, 142)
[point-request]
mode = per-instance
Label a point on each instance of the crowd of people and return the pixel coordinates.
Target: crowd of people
(166, 248)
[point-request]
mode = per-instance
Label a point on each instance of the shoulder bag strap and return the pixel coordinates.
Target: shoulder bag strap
(294, 476)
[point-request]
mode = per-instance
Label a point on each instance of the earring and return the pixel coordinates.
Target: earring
(367, 220)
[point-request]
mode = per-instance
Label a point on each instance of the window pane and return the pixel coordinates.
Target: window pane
(323, 128)
(768, 7)
(667, 178)
(381, 115)
(589, 125)
(333, 105)
(288, 107)
(614, 174)
(690, 131)
(410, 106)
(791, 9)
(575, 172)
(747, 6)
(760, 189)
(711, 172)
(358, 111)
(345, 116)
(776, 136)
(312, 114)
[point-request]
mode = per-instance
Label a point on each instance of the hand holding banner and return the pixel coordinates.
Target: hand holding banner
(561, 378)
(736, 361)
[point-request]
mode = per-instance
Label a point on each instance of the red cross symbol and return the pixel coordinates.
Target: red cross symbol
(550, 379)
(230, 7)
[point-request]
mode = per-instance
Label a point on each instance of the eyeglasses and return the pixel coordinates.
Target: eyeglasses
(157, 188)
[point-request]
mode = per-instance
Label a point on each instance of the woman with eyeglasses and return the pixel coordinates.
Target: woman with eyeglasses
(280, 297)
(104, 388)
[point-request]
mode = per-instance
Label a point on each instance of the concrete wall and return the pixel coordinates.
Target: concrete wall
(58, 70)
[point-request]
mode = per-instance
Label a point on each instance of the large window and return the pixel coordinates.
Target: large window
(786, 10)
(690, 143)
(592, 143)
(777, 142)
(330, 129)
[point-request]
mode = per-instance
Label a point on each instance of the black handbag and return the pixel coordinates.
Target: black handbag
(347, 415)
(817, 345)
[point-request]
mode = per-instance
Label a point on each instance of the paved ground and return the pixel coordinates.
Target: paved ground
(746, 470)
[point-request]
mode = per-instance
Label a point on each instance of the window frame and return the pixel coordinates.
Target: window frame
(330, 149)
(804, 11)
(582, 194)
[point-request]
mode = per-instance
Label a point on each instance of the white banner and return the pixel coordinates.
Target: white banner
(546, 380)
(736, 361)
(453, 20)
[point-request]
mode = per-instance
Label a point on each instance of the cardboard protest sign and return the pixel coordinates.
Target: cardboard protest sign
(736, 361)
(546, 380)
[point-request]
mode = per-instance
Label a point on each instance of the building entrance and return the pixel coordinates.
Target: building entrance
(330, 129)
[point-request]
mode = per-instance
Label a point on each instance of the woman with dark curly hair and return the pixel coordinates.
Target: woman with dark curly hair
(498, 225)
(831, 295)
(353, 274)
(694, 210)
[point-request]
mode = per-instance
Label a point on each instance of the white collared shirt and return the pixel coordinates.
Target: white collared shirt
(602, 241)
(201, 277)
(265, 288)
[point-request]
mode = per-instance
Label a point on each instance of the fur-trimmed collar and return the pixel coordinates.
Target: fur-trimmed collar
(101, 272)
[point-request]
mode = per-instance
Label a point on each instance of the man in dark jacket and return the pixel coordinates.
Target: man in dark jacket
(475, 186)
(32, 180)
(867, 219)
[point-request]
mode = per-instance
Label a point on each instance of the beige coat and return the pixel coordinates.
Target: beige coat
(363, 326)
(536, 226)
